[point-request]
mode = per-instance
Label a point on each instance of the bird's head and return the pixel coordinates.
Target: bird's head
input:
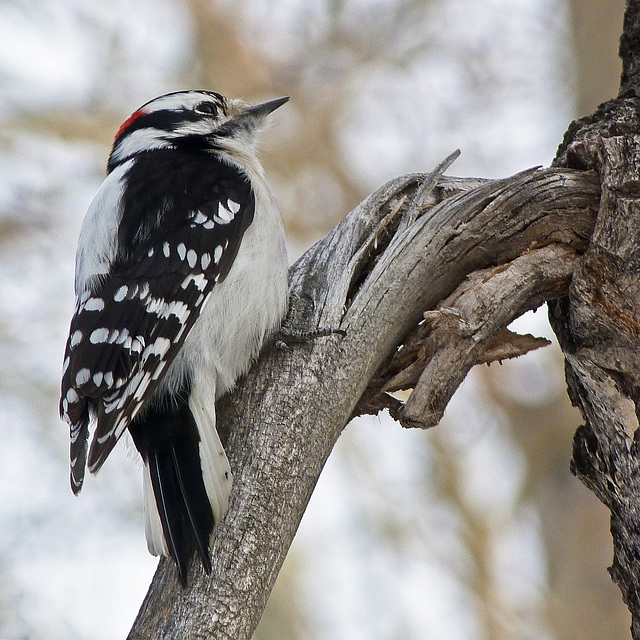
(197, 120)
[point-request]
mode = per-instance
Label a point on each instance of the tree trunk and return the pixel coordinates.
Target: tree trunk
(467, 257)
(598, 323)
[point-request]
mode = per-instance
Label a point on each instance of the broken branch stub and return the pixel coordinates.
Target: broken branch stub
(375, 283)
(518, 271)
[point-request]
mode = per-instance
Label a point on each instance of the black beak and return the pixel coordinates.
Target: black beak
(265, 108)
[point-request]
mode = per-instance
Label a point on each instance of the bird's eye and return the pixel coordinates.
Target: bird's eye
(206, 107)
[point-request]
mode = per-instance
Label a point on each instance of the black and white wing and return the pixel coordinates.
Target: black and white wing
(130, 324)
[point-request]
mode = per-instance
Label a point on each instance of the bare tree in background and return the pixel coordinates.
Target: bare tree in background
(424, 278)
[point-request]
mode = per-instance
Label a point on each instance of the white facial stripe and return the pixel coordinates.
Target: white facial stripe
(197, 128)
(178, 101)
(140, 140)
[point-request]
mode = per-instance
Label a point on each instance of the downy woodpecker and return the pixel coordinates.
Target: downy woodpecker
(181, 275)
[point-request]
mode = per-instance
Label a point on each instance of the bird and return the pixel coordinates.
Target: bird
(180, 278)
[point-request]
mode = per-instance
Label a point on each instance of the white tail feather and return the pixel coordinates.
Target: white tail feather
(216, 474)
(216, 471)
(152, 526)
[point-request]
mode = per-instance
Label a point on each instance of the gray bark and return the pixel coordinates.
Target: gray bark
(598, 323)
(405, 249)
(465, 256)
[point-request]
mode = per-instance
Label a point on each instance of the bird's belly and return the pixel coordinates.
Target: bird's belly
(237, 317)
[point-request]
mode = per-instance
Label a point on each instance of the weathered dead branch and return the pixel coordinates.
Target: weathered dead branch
(488, 249)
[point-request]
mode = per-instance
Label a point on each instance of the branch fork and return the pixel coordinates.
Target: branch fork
(473, 254)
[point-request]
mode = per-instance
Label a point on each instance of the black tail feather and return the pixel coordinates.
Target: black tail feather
(200, 529)
(168, 440)
(169, 502)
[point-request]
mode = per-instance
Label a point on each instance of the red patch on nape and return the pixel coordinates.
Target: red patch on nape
(126, 123)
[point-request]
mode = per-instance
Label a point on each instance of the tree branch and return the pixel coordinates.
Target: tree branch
(469, 327)
(400, 253)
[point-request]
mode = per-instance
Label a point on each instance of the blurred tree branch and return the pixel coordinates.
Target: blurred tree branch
(424, 277)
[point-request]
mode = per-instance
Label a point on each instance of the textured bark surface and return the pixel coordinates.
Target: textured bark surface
(403, 251)
(466, 257)
(598, 324)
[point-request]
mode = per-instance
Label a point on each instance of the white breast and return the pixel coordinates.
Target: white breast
(245, 308)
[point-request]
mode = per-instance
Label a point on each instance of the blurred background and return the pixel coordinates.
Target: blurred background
(474, 530)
